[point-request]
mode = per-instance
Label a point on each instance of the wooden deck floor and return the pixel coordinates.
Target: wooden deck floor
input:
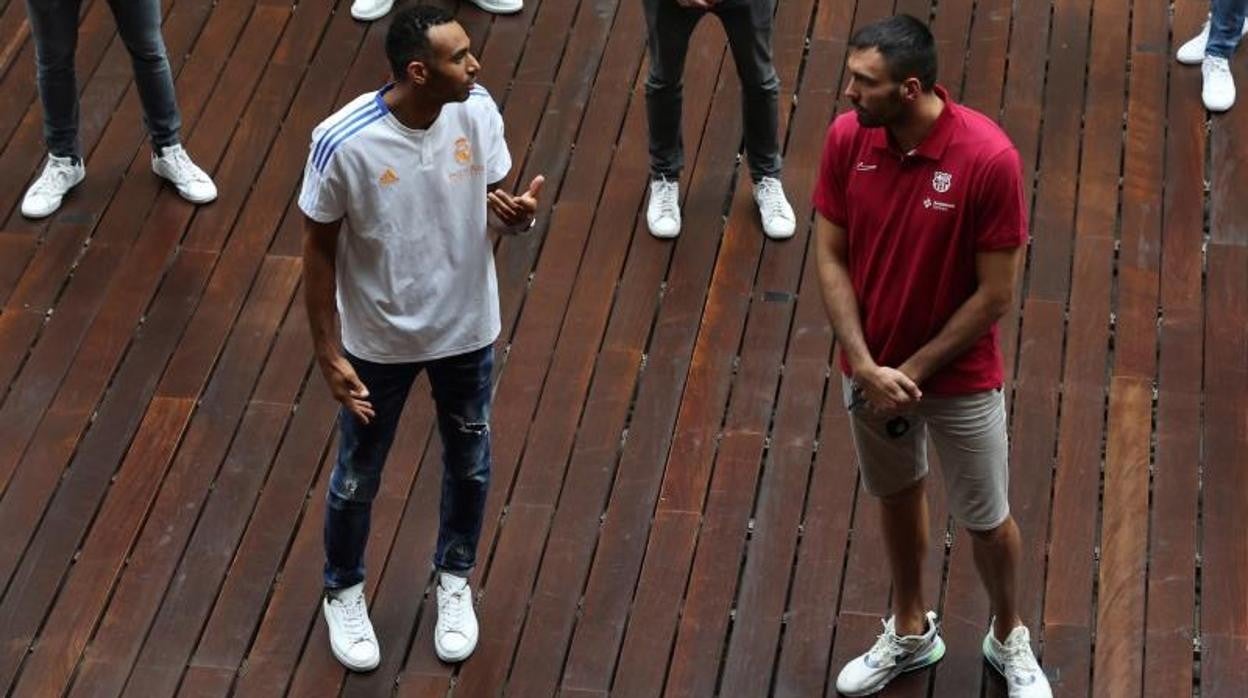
(675, 506)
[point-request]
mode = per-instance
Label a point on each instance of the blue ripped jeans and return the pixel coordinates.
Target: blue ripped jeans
(461, 393)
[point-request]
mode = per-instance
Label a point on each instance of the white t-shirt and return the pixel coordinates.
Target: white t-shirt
(415, 264)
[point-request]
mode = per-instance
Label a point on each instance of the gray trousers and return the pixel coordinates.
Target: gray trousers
(54, 25)
(748, 24)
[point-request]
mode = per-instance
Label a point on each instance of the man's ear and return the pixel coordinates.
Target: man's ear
(911, 88)
(417, 73)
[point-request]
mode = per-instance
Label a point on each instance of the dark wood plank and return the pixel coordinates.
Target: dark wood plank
(643, 661)
(1124, 527)
(239, 606)
(1068, 596)
(592, 656)
(1170, 626)
(176, 510)
(1120, 607)
(105, 444)
(1224, 559)
(103, 555)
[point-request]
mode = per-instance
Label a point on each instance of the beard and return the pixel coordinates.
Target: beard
(868, 120)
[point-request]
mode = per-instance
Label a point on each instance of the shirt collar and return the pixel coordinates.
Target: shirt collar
(936, 141)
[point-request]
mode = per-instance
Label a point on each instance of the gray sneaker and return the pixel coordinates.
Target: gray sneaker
(891, 655)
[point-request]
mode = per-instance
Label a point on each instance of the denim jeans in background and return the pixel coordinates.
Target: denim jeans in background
(461, 393)
(54, 25)
(1226, 24)
(748, 24)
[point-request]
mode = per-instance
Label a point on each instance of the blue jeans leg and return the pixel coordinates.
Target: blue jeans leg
(362, 450)
(54, 26)
(461, 391)
(1226, 24)
(749, 29)
(138, 24)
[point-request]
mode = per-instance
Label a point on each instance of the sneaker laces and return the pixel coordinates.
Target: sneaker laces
(1218, 67)
(1018, 659)
(887, 648)
(771, 198)
(353, 617)
(665, 195)
(55, 179)
(184, 169)
(451, 610)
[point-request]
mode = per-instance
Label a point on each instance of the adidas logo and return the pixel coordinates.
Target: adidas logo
(388, 177)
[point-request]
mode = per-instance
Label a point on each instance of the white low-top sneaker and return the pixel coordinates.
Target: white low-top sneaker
(1218, 89)
(176, 166)
(45, 193)
(1192, 52)
(779, 223)
(663, 210)
(368, 10)
(351, 636)
(455, 635)
(891, 655)
(500, 7)
(1015, 661)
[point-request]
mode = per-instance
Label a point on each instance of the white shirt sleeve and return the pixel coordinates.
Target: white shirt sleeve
(498, 162)
(323, 196)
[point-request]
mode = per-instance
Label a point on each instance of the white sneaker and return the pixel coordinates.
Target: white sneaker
(500, 7)
(1192, 52)
(351, 636)
(890, 656)
(45, 193)
(779, 223)
(455, 635)
(1017, 664)
(176, 166)
(663, 211)
(368, 10)
(1218, 91)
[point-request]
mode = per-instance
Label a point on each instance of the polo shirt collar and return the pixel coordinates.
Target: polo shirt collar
(936, 141)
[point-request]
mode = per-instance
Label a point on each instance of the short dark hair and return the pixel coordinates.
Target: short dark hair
(407, 39)
(906, 44)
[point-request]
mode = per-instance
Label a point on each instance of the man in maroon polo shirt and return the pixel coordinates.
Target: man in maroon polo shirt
(920, 234)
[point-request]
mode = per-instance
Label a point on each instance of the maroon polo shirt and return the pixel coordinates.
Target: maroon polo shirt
(915, 222)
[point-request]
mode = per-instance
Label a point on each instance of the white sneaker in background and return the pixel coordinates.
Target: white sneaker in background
(45, 193)
(176, 166)
(1218, 90)
(500, 7)
(368, 10)
(663, 210)
(779, 223)
(1192, 52)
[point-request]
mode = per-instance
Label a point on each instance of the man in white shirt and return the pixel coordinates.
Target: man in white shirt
(411, 169)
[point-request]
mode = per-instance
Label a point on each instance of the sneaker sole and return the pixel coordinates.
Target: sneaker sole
(368, 17)
(346, 663)
(343, 659)
(936, 654)
(454, 658)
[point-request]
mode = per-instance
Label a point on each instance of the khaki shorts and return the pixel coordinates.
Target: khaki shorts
(969, 433)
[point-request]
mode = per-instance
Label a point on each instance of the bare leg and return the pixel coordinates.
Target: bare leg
(903, 517)
(997, 552)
